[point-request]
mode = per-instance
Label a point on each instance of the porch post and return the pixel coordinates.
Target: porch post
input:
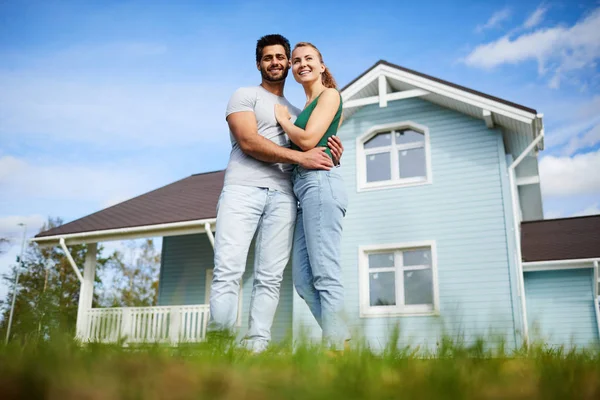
(86, 292)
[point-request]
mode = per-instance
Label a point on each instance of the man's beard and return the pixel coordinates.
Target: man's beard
(265, 75)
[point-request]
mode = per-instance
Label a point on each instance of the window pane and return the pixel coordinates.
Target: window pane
(378, 167)
(412, 163)
(382, 288)
(416, 257)
(418, 287)
(409, 136)
(381, 260)
(379, 140)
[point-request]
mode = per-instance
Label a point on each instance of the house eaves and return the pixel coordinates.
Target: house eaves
(385, 82)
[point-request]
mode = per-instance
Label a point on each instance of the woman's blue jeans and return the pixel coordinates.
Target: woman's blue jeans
(316, 264)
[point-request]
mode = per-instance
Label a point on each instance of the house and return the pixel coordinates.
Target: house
(444, 233)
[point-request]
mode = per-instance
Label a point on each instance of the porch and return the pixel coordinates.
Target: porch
(179, 321)
(184, 215)
(157, 324)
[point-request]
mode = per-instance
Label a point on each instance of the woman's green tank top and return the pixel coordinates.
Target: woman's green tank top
(304, 116)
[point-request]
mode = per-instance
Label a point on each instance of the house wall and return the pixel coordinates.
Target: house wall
(560, 307)
(462, 210)
(182, 280)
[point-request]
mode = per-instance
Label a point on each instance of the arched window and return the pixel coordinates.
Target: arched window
(393, 155)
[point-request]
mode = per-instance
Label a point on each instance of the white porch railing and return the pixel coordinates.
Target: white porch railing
(172, 324)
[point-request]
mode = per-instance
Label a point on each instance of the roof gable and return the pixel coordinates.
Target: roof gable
(385, 82)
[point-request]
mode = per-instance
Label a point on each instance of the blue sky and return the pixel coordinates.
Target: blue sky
(102, 101)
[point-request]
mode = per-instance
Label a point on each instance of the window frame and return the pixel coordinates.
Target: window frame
(399, 310)
(396, 181)
(207, 289)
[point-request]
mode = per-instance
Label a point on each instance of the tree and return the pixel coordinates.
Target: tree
(48, 292)
(135, 276)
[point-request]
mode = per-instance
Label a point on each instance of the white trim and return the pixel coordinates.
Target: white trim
(527, 150)
(517, 230)
(360, 102)
(487, 117)
(458, 94)
(516, 208)
(597, 308)
(366, 310)
(71, 261)
(395, 182)
(405, 94)
(136, 232)
(528, 180)
(534, 122)
(360, 84)
(207, 288)
(552, 265)
(596, 279)
(596, 299)
(86, 290)
(208, 230)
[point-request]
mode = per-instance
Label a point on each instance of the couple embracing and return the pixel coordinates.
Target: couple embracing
(281, 184)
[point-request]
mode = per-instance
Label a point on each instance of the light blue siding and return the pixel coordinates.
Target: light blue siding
(182, 280)
(184, 262)
(462, 211)
(560, 307)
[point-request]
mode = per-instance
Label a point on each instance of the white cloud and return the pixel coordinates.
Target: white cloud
(536, 17)
(569, 176)
(591, 210)
(559, 50)
(60, 181)
(587, 139)
(577, 124)
(495, 20)
(553, 214)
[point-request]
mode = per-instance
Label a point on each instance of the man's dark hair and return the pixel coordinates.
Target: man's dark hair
(271, 40)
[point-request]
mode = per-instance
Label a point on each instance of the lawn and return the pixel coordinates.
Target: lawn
(63, 369)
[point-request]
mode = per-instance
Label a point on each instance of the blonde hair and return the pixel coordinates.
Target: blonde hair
(327, 78)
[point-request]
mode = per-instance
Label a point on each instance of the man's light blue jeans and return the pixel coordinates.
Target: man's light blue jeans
(243, 211)
(316, 265)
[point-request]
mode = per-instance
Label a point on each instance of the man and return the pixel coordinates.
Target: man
(257, 197)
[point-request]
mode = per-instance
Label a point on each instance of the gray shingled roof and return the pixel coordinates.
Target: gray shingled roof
(192, 198)
(561, 239)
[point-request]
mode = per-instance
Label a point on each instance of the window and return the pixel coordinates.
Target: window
(398, 280)
(209, 277)
(393, 155)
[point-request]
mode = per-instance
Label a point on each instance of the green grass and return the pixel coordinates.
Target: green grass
(62, 369)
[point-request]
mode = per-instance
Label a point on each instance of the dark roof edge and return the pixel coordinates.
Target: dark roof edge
(100, 231)
(560, 219)
(207, 173)
(454, 85)
(48, 232)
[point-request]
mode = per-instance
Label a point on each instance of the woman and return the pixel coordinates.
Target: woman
(321, 194)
